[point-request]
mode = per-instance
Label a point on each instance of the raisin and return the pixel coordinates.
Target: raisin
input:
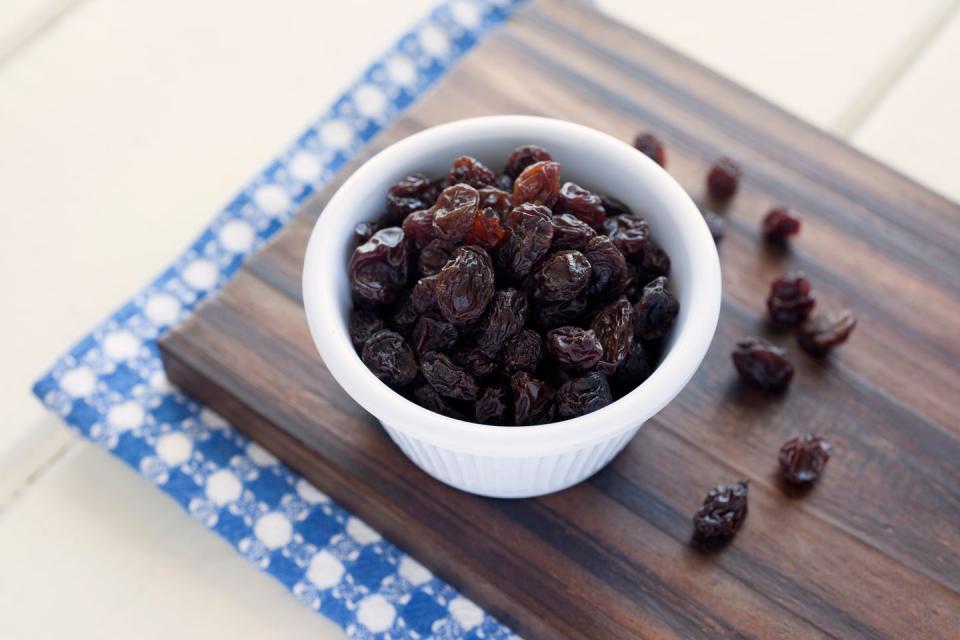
(530, 234)
(508, 314)
(493, 405)
(448, 379)
(505, 183)
(650, 146)
(561, 313)
(653, 261)
(715, 223)
(723, 511)
(487, 230)
(404, 316)
(779, 224)
(582, 204)
(454, 211)
(570, 233)
(803, 458)
(469, 170)
(532, 397)
(363, 232)
(497, 199)
(424, 295)
(389, 357)
(538, 184)
(819, 334)
(609, 276)
(574, 348)
(635, 368)
(363, 324)
(413, 193)
(629, 233)
(522, 353)
(723, 179)
(428, 398)
(465, 285)
(418, 227)
(433, 335)
(583, 395)
(655, 312)
(434, 255)
(561, 276)
(476, 363)
(614, 327)
(378, 267)
(791, 299)
(614, 207)
(762, 364)
(523, 157)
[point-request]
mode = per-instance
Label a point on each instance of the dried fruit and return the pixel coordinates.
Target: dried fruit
(762, 364)
(574, 348)
(523, 157)
(522, 353)
(465, 285)
(655, 312)
(715, 223)
(530, 234)
(414, 193)
(496, 199)
(650, 146)
(378, 267)
(819, 334)
(561, 276)
(508, 314)
(532, 398)
(433, 335)
(469, 170)
(389, 357)
(404, 316)
(803, 458)
(424, 295)
(614, 327)
(363, 232)
(363, 323)
(629, 233)
(609, 277)
(653, 260)
(428, 398)
(779, 224)
(476, 363)
(634, 369)
(614, 207)
(418, 227)
(583, 395)
(436, 254)
(569, 232)
(538, 184)
(581, 204)
(487, 231)
(561, 313)
(448, 379)
(493, 405)
(722, 512)
(454, 211)
(723, 179)
(791, 299)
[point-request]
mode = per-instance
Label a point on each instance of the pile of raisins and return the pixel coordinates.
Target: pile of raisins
(509, 299)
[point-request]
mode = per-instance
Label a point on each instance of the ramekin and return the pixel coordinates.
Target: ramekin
(515, 462)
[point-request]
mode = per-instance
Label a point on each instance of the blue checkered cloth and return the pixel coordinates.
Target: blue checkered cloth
(112, 389)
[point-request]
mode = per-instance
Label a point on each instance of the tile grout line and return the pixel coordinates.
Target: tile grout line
(880, 84)
(34, 28)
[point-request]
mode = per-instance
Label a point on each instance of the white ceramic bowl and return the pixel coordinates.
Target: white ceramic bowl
(514, 462)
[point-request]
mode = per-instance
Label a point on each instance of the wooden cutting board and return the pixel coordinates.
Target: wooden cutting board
(872, 551)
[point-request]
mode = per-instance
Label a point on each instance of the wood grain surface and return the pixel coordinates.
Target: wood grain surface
(873, 551)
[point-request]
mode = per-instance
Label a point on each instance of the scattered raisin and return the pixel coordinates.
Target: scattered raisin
(531, 397)
(569, 232)
(469, 170)
(523, 157)
(378, 267)
(779, 224)
(722, 512)
(465, 285)
(389, 357)
(655, 312)
(582, 204)
(508, 314)
(454, 211)
(629, 233)
(723, 179)
(819, 334)
(791, 299)
(650, 146)
(538, 184)
(414, 193)
(448, 379)
(433, 335)
(574, 348)
(762, 364)
(493, 405)
(614, 327)
(561, 276)
(363, 323)
(530, 234)
(583, 395)
(522, 353)
(803, 458)
(609, 276)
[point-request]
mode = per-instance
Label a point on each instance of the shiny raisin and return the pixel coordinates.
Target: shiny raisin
(538, 184)
(448, 379)
(574, 348)
(497, 199)
(487, 230)
(414, 193)
(476, 363)
(522, 353)
(634, 369)
(650, 146)
(614, 327)
(523, 157)
(655, 312)
(802, 459)
(433, 335)
(791, 299)
(609, 269)
(762, 364)
(465, 285)
(404, 315)
(629, 233)
(561, 313)
(561, 276)
(723, 179)
(418, 227)
(532, 398)
(507, 316)
(653, 260)
(819, 334)
(454, 211)
(723, 511)
(363, 323)
(779, 224)
(569, 232)
(428, 398)
(389, 357)
(424, 295)
(530, 234)
(363, 232)
(583, 395)
(434, 255)
(614, 207)
(378, 267)
(582, 204)
(493, 405)
(469, 170)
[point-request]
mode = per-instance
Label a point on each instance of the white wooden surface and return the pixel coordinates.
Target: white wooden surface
(125, 124)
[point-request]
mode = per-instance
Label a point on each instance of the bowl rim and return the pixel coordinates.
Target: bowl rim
(678, 365)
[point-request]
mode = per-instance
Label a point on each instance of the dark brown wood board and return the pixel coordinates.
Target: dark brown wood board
(873, 551)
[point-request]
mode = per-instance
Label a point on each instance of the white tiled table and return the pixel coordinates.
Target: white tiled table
(119, 139)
